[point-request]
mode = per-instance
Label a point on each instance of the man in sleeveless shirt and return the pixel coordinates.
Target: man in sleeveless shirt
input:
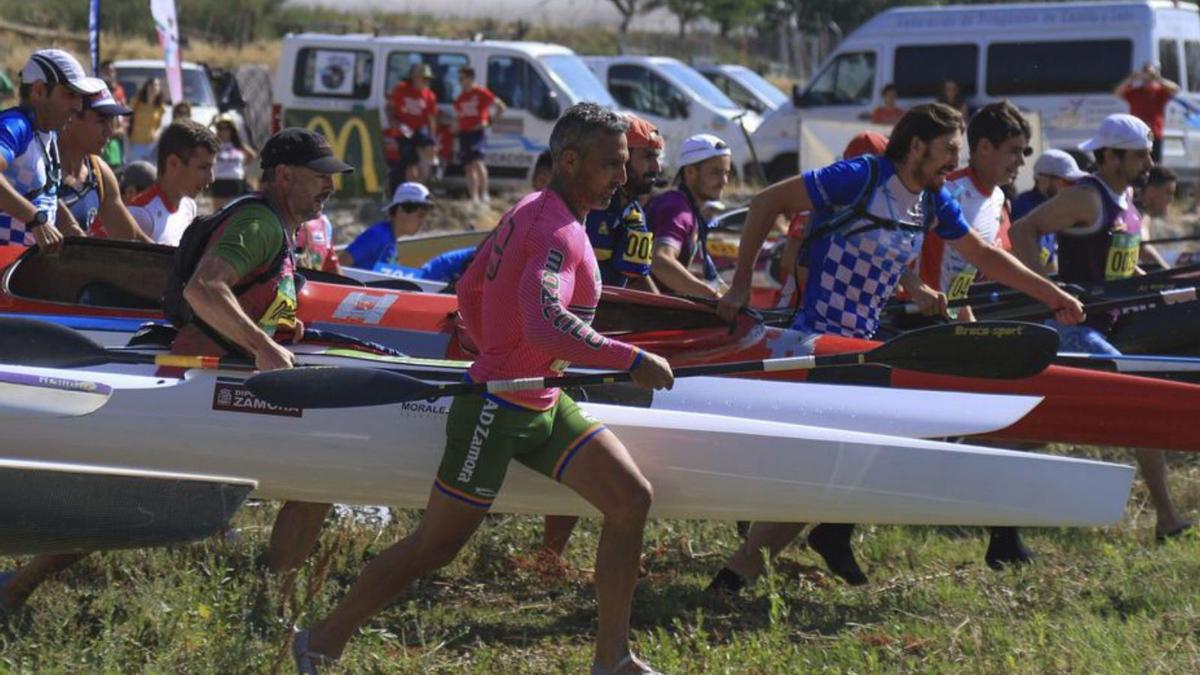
(297, 180)
(869, 218)
(89, 192)
(1098, 227)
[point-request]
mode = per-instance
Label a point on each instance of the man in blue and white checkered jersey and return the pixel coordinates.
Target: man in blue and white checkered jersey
(52, 88)
(862, 238)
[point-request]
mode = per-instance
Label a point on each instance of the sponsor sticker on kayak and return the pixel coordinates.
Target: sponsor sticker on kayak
(231, 395)
(364, 307)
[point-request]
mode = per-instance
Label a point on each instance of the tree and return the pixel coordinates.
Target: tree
(685, 11)
(730, 14)
(628, 10)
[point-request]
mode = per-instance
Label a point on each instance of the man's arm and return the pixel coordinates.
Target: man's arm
(1067, 209)
(210, 294)
(929, 300)
(640, 283)
(666, 266)
(1004, 268)
(116, 218)
(48, 238)
(786, 197)
(66, 223)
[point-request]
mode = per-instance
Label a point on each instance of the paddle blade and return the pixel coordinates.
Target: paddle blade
(28, 342)
(333, 387)
(24, 396)
(992, 349)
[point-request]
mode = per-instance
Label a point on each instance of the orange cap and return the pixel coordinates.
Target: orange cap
(642, 134)
(865, 143)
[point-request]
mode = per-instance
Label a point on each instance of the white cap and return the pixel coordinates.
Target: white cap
(1120, 132)
(1059, 164)
(54, 66)
(410, 193)
(701, 147)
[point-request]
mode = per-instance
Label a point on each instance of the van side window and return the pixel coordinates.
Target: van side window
(1168, 58)
(640, 90)
(735, 91)
(848, 80)
(920, 71)
(444, 66)
(520, 85)
(1191, 58)
(333, 73)
(1030, 68)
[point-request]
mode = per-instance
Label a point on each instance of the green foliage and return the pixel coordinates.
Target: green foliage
(1103, 601)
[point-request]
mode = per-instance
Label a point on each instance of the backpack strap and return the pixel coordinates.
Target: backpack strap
(97, 177)
(856, 211)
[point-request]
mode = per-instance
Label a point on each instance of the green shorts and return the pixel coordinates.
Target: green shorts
(484, 433)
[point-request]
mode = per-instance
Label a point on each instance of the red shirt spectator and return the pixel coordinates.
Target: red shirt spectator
(474, 108)
(1148, 103)
(411, 106)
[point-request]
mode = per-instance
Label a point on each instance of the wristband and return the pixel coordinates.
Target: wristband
(39, 219)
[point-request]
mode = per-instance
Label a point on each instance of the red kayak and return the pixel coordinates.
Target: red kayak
(121, 279)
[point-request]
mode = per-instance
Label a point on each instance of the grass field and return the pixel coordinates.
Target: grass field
(1107, 601)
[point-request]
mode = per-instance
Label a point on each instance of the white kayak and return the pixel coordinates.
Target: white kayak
(882, 410)
(701, 465)
(885, 410)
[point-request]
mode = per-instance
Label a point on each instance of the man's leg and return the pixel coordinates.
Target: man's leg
(485, 194)
(472, 180)
(603, 473)
(296, 530)
(557, 533)
(29, 576)
(1153, 465)
(446, 526)
(747, 562)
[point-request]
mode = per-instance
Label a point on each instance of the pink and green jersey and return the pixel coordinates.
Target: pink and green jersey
(528, 298)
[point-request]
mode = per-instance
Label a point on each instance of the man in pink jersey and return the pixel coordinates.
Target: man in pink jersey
(527, 300)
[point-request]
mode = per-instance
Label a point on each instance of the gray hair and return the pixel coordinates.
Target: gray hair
(580, 125)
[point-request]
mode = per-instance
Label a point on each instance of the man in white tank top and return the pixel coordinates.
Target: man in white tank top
(187, 151)
(999, 143)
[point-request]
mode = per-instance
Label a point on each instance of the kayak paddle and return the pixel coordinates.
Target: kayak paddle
(1144, 301)
(29, 342)
(991, 349)
(25, 395)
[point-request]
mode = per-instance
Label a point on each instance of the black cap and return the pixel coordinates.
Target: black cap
(296, 146)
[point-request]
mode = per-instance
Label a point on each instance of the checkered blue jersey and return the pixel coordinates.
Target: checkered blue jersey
(851, 275)
(27, 171)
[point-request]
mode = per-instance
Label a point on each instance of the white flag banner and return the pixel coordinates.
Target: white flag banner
(167, 27)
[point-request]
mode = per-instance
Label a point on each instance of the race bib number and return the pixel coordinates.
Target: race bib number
(960, 285)
(1122, 256)
(282, 312)
(638, 245)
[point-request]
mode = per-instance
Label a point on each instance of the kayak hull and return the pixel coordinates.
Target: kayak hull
(59, 508)
(701, 466)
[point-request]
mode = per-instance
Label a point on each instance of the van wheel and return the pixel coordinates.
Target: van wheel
(783, 166)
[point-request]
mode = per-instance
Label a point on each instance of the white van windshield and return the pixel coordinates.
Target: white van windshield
(752, 80)
(196, 88)
(699, 85)
(577, 80)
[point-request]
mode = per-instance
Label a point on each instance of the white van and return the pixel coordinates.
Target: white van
(678, 100)
(1062, 60)
(338, 85)
(745, 87)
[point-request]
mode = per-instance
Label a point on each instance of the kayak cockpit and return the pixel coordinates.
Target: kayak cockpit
(93, 273)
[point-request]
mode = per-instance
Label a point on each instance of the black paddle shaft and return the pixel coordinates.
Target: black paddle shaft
(984, 349)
